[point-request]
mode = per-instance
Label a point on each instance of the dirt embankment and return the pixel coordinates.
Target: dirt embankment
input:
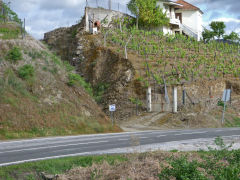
(37, 101)
(111, 75)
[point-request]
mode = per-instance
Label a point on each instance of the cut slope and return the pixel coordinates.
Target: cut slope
(35, 98)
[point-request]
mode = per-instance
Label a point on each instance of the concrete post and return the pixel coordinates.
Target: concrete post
(175, 99)
(184, 97)
(149, 99)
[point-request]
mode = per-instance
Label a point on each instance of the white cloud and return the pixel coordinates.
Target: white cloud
(227, 20)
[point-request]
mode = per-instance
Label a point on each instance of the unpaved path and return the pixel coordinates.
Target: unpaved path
(142, 122)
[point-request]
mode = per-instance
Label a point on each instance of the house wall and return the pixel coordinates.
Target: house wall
(193, 20)
(99, 14)
(166, 9)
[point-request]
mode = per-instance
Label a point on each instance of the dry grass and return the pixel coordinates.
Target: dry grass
(144, 166)
(44, 105)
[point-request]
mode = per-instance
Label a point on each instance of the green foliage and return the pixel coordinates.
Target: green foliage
(136, 101)
(9, 33)
(207, 35)
(35, 54)
(74, 33)
(12, 82)
(26, 72)
(233, 36)
(8, 14)
(99, 90)
(182, 169)
(220, 103)
(14, 54)
(149, 14)
(218, 28)
(56, 166)
(68, 66)
(77, 80)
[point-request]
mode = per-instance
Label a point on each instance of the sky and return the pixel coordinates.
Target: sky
(46, 15)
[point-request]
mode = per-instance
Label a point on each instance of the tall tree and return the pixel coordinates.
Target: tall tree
(148, 13)
(218, 28)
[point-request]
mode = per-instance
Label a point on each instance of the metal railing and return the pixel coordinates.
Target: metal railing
(188, 31)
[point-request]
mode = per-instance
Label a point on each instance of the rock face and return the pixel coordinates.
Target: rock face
(100, 66)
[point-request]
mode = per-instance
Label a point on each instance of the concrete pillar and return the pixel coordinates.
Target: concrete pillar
(149, 99)
(175, 99)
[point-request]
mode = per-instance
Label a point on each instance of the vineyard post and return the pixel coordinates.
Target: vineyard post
(126, 55)
(175, 99)
(24, 28)
(149, 99)
(184, 97)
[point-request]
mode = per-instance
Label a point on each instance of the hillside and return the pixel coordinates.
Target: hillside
(40, 95)
(202, 70)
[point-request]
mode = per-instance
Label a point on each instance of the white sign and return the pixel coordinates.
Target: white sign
(226, 95)
(112, 108)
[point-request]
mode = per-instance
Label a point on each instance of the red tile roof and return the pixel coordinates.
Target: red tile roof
(187, 6)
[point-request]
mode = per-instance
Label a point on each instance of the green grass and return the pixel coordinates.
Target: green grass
(77, 80)
(14, 55)
(7, 33)
(55, 166)
(26, 72)
(235, 122)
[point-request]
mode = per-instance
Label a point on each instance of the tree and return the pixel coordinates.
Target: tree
(148, 13)
(133, 7)
(207, 35)
(232, 37)
(218, 28)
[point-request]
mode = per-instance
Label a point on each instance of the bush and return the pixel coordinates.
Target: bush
(14, 54)
(77, 80)
(182, 169)
(99, 90)
(26, 71)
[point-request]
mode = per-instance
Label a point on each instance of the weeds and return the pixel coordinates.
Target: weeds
(77, 80)
(26, 72)
(14, 55)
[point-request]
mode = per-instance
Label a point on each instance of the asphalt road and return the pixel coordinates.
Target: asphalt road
(15, 152)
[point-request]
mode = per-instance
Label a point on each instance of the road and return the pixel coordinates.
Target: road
(15, 152)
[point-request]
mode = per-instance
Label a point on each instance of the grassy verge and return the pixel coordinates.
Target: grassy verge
(55, 166)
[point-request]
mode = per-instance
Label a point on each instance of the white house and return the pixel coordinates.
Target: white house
(184, 17)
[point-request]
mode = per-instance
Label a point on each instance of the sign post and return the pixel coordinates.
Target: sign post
(225, 99)
(112, 109)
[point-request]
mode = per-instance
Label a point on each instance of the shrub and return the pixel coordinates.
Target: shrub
(14, 54)
(99, 90)
(26, 71)
(182, 169)
(77, 80)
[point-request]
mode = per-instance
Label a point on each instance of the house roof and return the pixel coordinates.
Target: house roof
(187, 6)
(170, 2)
